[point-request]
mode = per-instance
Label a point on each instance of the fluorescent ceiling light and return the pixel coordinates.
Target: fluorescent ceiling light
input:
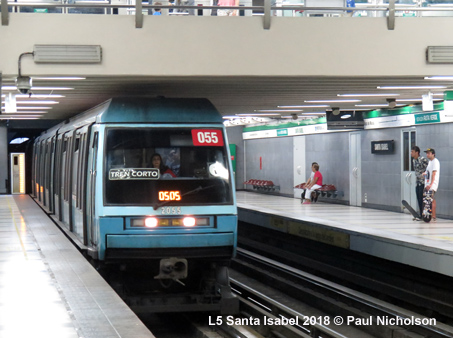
(37, 88)
(37, 102)
(3, 117)
(32, 108)
(307, 106)
(411, 87)
(279, 110)
(260, 114)
(25, 113)
(51, 88)
(345, 116)
(332, 101)
(38, 96)
(376, 105)
(58, 78)
(366, 95)
(447, 78)
(410, 100)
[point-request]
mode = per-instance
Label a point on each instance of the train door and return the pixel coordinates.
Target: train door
(17, 173)
(78, 191)
(91, 187)
(355, 171)
(52, 174)
(58, 173)
(66, 212)
(408, 140)
(47, 172)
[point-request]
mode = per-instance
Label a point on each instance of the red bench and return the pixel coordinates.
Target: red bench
(326, 190)
(265, 185)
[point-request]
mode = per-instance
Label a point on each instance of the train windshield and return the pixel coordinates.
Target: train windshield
(178, 166)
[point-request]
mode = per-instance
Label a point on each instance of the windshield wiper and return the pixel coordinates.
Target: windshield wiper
(194, 191)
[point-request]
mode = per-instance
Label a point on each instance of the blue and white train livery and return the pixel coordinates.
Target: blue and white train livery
(147, 182)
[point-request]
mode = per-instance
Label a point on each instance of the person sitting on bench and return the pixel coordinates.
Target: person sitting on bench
(313, 184)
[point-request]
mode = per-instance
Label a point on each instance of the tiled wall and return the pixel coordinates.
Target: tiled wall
(440, 137)
(331, 151)
(381, 174)
(276, 159)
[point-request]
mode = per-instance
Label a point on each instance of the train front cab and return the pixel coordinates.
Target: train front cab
(202, 189)
(178, 227)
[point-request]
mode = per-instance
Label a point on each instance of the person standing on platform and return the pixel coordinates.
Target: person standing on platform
(227, 12)
(316, 183)
(432, 175)
(420, 164)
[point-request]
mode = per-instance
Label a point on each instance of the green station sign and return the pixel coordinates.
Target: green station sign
(427, 118)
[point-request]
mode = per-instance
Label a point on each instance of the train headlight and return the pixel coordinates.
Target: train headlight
(151, 222)
(189, 221)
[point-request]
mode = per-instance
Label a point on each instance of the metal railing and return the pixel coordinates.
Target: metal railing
(269, 9)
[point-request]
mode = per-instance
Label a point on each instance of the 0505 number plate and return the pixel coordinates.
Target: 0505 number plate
(171, 211)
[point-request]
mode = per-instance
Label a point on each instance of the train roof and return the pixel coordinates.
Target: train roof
(159, 110)
(144, 110)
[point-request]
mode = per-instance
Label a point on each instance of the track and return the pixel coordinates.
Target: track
(329, 306)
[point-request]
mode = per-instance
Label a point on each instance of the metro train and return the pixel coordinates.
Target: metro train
(95, 175)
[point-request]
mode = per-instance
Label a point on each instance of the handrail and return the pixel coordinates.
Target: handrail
(105, 4)
(391, 8)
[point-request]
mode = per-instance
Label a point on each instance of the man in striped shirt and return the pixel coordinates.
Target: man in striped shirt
(420, 164)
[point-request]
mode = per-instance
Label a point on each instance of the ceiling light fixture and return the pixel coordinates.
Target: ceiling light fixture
(411, 87)
(38, 96)
(37, 102)
(260, 114)
(411, 100)
(376, 105)
(37, 88)
(278, 110)
(32, 108)
(332, 101)
(307, 106)
(367, 95)
(59, 78)
(27, 112)
(5, 117)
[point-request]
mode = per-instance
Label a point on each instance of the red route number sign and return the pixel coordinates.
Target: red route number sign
(207, 137)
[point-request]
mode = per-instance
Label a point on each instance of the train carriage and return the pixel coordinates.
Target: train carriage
(95, 174)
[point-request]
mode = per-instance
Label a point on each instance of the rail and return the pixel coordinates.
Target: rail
(271, 8)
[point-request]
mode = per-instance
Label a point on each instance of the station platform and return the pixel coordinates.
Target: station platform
(389, 235)
(47, 288)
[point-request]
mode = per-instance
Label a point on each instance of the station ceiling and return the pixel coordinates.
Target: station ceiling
(231, 95)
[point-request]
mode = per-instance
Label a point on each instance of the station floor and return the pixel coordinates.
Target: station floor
(47, 288)
(390, 235)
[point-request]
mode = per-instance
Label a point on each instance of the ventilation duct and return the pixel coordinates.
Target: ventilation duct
(67, 53)
(439, 54)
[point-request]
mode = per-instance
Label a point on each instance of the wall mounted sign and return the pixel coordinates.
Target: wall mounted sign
(383, 147)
